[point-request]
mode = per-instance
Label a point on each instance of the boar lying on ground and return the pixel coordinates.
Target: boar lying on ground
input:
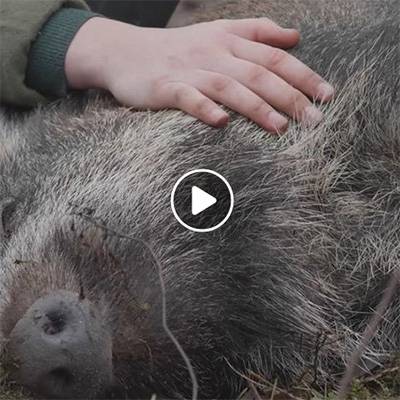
(287, 284)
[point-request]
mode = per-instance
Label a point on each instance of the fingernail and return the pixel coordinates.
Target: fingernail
(278, 121)
(312, 115)
(325, 91)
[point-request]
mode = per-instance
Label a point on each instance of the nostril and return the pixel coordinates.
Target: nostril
(54, 323)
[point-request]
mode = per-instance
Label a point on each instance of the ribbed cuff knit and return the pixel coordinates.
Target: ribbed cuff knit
(45, 71)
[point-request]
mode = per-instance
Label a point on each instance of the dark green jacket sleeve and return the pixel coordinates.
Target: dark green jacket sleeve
(34, 36)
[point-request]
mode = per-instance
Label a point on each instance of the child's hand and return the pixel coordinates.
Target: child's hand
(235, 63)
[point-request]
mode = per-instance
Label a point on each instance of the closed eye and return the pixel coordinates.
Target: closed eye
(7, 209)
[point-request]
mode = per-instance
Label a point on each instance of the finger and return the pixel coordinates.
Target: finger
(286, 66)
(234, 95)
(273, 89)
(265, 31)
(189, 99)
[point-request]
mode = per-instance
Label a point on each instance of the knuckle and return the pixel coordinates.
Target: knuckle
(202, 106)
(180, 93)
(161, 84)
(226, 39)
(276, 57)
(219, 26)
(299, 99)
(296, 101)
(255, 74)
(312, 79)
(259, 107)
(220, 83)
(221, 22)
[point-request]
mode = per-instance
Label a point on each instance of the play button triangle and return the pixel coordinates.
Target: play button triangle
(201, 200)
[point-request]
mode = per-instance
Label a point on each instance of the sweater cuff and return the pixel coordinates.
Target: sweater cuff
(45, 71)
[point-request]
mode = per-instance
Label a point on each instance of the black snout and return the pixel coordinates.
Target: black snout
(61, 349)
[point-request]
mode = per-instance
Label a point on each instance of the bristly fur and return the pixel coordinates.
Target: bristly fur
(287, 284)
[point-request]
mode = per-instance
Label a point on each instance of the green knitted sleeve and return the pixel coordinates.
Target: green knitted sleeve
(34, 37)
(45, 70)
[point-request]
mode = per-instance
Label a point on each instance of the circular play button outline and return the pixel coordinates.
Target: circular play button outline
(196, 171)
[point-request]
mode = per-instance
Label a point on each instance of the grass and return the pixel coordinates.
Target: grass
(6, 393)
(383, 384)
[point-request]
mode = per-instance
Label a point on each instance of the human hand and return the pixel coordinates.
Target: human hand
(238, 63)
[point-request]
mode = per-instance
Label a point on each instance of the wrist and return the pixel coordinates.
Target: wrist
(86, 58)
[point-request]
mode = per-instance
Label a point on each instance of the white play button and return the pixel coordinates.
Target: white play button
(201, 200)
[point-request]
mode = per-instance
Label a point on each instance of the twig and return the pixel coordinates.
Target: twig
(273, 390)
(375, 377)
(368, 334)
(166, 328)
(254, 390)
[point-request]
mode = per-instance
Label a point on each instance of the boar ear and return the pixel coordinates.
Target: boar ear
(8, 207)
